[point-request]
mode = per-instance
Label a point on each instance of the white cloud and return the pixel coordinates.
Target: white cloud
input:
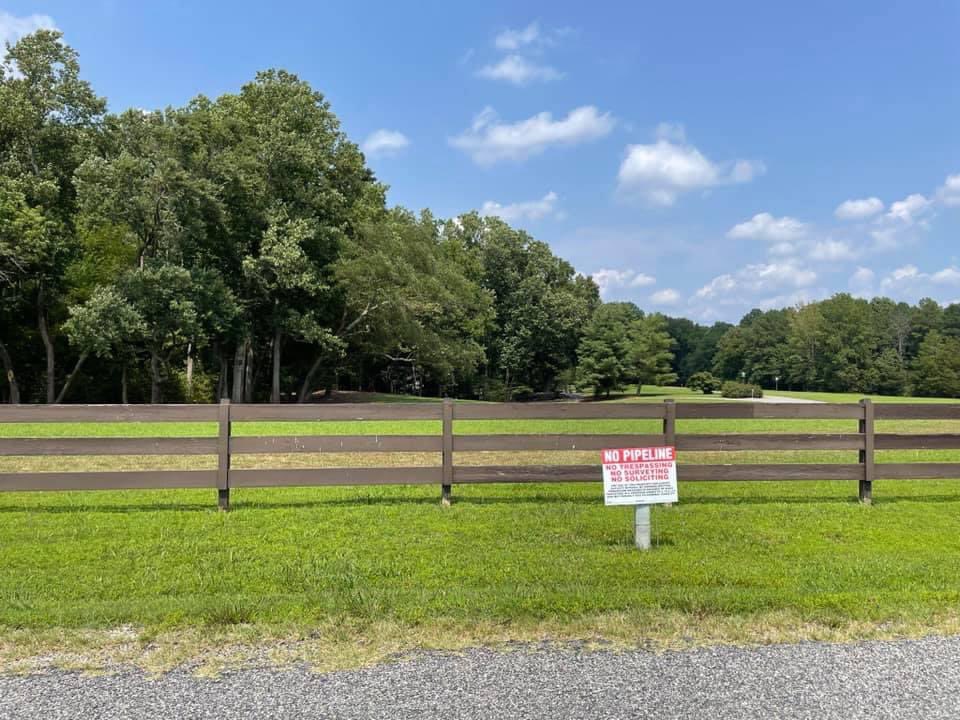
(862, 278)
(907, 272)
(518, 70)
(642, 280)
(909, 282)
(756, 278)
(529, 210)
(947, 276)
(489, 141)
(608, 279)
(720, 285)
(12, 28)
(859, 209)
(908, 209)
(949, 192)
(516, 39)
(385, 142)
(906, 281)
(531, 37)
(746, 170)
(764, 226)
(782, 248)
(886, 239)
(667, 296)
(830, 250)
(661, 171)
(901, 224)
(793, 299)
(674, 132)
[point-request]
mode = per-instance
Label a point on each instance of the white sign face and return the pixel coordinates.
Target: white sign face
(639, 476)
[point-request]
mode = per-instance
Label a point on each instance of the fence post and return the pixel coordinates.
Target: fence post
(447, 487)
(223, 453)
(867, 453)
(669, 427)
(670, 422)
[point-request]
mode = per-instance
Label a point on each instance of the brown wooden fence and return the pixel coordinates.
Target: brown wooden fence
(225, 445)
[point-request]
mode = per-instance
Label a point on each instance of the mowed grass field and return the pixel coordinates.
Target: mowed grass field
(374, 570)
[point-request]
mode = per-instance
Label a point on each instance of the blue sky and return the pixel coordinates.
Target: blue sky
(699, 159)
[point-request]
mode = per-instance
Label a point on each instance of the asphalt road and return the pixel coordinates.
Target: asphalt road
(908, 679)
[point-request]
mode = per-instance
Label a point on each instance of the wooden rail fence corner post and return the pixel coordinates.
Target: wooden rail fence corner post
(223, 456)
(446, 488)
(867, 453)
(669, 427)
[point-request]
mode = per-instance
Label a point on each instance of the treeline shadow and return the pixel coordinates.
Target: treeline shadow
(240, 505)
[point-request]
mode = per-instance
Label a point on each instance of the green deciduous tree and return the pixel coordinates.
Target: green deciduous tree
(163, 296)
(937, 366)
(46, 114)
(105, 325)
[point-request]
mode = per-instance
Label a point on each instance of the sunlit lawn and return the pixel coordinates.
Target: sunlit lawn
(513, 554)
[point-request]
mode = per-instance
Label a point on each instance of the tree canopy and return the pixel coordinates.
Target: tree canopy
(241, 247)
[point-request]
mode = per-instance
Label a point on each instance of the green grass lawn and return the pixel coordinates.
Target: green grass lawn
(382, 569)
(735, 562)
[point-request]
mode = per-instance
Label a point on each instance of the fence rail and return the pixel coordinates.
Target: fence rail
(866, 441)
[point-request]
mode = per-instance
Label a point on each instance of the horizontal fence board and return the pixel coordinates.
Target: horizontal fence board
(108, 446)
(336, 411)
(805, 441)
(917, 471)
(558, 411)
(526, 473)
(336, 476)
(118, 480)
(107, 413)
(918, 411)
(533, 443)
(746, 410)
(582, 473)
(894, 441)
(773, 473)
(335, 444)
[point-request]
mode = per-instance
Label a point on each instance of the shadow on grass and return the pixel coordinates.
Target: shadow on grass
(814, 500)
(239, 505)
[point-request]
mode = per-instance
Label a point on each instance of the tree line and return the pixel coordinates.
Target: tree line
(841, 344)
(241, 247)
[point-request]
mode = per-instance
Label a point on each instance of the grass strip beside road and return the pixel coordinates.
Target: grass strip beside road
(777, 557)
(344, 576)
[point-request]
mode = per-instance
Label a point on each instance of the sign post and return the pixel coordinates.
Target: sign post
(641, 477)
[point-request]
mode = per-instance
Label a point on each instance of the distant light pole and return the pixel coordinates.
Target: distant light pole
(776, 381)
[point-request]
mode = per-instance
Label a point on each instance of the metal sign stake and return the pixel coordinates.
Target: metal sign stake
(641, 527)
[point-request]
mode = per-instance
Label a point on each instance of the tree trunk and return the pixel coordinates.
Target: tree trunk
(189, 371)
(223, 384)
(275, 385)
(70, 377)
(123, 384)
(239, 360)
(11, 376)
(308, 380)
(248, 375)
(47, 345)
(222, 375)
(155, 377)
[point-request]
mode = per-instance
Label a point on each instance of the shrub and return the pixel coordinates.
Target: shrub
(733, 389)
(521, 393)
(705, 382)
